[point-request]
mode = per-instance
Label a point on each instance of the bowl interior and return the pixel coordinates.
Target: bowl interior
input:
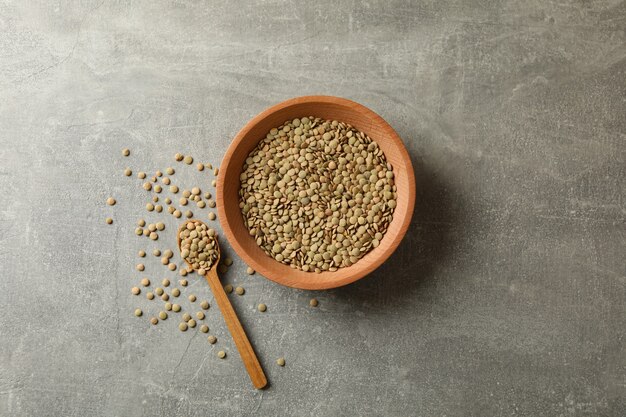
(332, 108)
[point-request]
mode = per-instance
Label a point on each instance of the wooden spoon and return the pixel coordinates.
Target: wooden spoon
(234, 325)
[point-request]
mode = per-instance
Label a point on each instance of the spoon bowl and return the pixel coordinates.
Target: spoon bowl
(182, 227)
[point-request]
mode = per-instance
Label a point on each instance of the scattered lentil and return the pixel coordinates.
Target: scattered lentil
(141, 175)
(182, 327)
(111, 201)
(249, 271)
(150, 296)
(135, 290)
(163, 315)
(141, 222)
(221, 354)
(138, 312)
(145, 282)
(212, 339)
(175, 292)
(204, 328)
(313, 302)
(125, 151)
(165, 282)
(154, 320)
(179, 157)
(171, 266)
(200, 167)
(204, 304)
(158, 291)
(228, 288)
(262, 308)
(169, 170)
(156, 252)
(168, 306)
(212, 216)
(191, 323)
(192, 298)
(128, 172)
(140, 267)
(240, 291)
(176, 307)
(200, 315)
(188, 160)
(109, 220)
(280, 361)
(165, 297)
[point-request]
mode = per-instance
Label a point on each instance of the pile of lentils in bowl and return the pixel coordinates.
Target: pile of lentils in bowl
(317, 194)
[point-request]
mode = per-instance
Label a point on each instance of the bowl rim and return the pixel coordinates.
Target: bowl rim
(281, 278)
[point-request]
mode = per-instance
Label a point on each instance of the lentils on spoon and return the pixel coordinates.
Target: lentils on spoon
(198, 246)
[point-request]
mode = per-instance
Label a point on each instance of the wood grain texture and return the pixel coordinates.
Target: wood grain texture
(326, 107)
(246, 351)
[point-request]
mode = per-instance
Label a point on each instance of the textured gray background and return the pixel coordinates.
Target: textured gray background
(507, 297)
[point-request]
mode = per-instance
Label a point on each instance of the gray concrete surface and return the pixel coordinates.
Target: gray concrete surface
(507, 297)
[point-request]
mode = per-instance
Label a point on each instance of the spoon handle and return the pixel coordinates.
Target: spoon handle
(237, 332)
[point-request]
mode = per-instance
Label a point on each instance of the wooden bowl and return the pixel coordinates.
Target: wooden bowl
(325, 107)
